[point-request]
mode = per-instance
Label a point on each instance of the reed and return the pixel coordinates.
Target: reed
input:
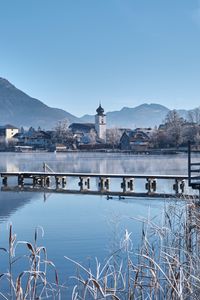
(32, 283)
(165, 266)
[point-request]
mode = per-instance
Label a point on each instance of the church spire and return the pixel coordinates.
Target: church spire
(100, 110)
(100, 123)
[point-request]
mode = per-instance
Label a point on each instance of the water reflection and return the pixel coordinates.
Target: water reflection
(81, 226)
(12, 202)
(83, 162)
(95, 162)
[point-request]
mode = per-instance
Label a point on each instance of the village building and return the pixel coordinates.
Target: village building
(136, 140)
(35, 139)
(100, 123)
(87, 133)
(81, 128)
(8, 131)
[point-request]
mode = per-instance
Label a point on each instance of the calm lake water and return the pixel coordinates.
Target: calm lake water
(81, 227)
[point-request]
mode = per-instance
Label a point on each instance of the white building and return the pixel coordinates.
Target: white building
(8, 131)
(100, 123)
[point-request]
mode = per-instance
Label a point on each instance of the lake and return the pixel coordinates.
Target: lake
(80, 227)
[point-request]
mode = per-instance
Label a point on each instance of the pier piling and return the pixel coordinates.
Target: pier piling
(150, 185)
(120, 184)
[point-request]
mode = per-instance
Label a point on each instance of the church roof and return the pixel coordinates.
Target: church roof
(100, 110)
(85, 127)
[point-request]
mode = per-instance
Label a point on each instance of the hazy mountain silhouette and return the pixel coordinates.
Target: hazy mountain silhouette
(19, 109)
(145, 115)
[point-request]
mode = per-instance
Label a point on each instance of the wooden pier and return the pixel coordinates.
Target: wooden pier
(98, 184)
(193, 171)
(134, 185)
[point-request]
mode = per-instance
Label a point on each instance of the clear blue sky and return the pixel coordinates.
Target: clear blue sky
(73, 54)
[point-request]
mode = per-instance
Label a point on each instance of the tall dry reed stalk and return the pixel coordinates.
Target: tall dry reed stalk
(167, 265)
(33, 282)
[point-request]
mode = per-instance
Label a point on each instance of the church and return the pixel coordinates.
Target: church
(99, 126)
(100, 123)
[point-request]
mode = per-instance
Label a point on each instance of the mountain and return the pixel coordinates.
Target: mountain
(145, 115)
(19, 109)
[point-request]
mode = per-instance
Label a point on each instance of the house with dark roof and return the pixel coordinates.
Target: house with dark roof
(135, 140)
(81, 128)
(35, 139)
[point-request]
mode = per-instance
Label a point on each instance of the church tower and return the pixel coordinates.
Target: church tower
(100, 123)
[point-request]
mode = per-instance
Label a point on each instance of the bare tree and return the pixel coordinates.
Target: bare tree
(173, 118)
(159, 139)
(194, 119)
(113, 136)
(62, 132)
(174, 128)
(194, 116)
(92, 136)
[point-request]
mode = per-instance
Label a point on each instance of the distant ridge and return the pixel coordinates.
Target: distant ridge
(144, 115)
(19, 109)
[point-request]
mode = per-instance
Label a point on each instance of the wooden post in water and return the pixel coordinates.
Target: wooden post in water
(5, 180)
(179, 186)
(193, 181)
(20, 179)
(47, 181)
(84, 183)
(189, 163)
(64, 181)
(57, 181)
(127, 184)
(104, 183)
(151, 185)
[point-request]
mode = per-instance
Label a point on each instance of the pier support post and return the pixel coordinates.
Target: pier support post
(20, 180)
(5, 180)
(47, 181)
(127, 184)
(179, 186)
(84, 183)
(57, 181)
(38, 180)
(61, 180)
(64, 181)
(151, 185)
(104, 183)
(35, 180)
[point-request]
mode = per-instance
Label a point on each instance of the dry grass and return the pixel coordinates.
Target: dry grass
(166, 265)
(33, 282)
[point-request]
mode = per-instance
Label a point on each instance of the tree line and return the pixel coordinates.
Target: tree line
(176, 131)
(173, 133)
